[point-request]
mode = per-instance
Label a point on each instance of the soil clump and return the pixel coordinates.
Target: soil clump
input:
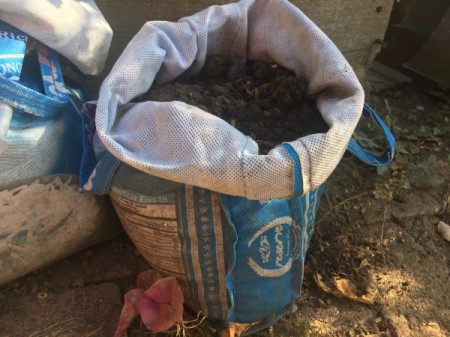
(264, 101)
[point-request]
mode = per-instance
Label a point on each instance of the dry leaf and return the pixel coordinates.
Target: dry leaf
(236, 329)
(364, 263)
(346, 288)
(349, 290)
(319, 280)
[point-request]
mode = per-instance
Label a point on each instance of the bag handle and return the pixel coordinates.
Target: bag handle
(45, 106)
(369, 158)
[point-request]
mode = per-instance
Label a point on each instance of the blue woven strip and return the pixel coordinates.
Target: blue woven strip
(28, 100)
(186, 243)
(297, 175)
(207, 251)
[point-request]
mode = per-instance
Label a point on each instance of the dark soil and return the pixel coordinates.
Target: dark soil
(264, 101)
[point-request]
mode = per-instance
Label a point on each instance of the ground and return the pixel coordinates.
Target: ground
(375, 227)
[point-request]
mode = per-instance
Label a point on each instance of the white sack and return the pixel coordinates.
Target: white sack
(186, 144)
(74, 28)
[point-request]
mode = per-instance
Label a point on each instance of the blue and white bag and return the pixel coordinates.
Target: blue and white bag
(237, 260)
(43, 216)
(192, 192)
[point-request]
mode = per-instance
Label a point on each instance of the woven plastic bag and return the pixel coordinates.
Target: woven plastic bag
(192, 192)
(74, 28)
(43, 215)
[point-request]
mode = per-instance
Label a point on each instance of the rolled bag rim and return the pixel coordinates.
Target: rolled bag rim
(112, 102)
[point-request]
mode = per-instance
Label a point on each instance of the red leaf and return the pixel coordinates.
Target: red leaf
(166, 290)
(129, 310)
(162, 305)
(155, 316)
(146, 279)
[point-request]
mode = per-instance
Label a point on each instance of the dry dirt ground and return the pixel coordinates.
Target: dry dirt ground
(375, 228)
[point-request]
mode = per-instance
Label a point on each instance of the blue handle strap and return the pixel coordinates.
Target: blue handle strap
(28, 100)
(297, 175)
(45, 106)
(369, 158)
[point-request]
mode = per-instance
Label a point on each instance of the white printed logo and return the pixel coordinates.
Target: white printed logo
(279, 229)
(14, 69)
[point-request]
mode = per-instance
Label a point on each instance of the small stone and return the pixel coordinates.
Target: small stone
(42, 295)
(444, 229)
(34, 289)
(78, 283)
(218, 90)
(276, 113)
(420, 108)
(254, 111)
(88, 253)
(397, 94)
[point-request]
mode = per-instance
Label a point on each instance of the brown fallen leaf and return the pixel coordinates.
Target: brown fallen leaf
(364, 263)
(319, 281)
(346, 288)
(349, 290)
(236, 329)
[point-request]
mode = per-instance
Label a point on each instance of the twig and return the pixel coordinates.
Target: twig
(53, 326)
(93, 333)
(333, 208)
(382, 227)
(382, 236)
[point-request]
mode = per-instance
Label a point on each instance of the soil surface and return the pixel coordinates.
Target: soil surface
(375, 227)
(261, 100)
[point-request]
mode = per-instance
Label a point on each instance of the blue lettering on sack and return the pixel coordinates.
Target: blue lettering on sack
(4, 236)
(43, 234)
(13, 35)
(51, 73)
(40, 232)
(21, 237)
(10, 68)
(12, 51)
